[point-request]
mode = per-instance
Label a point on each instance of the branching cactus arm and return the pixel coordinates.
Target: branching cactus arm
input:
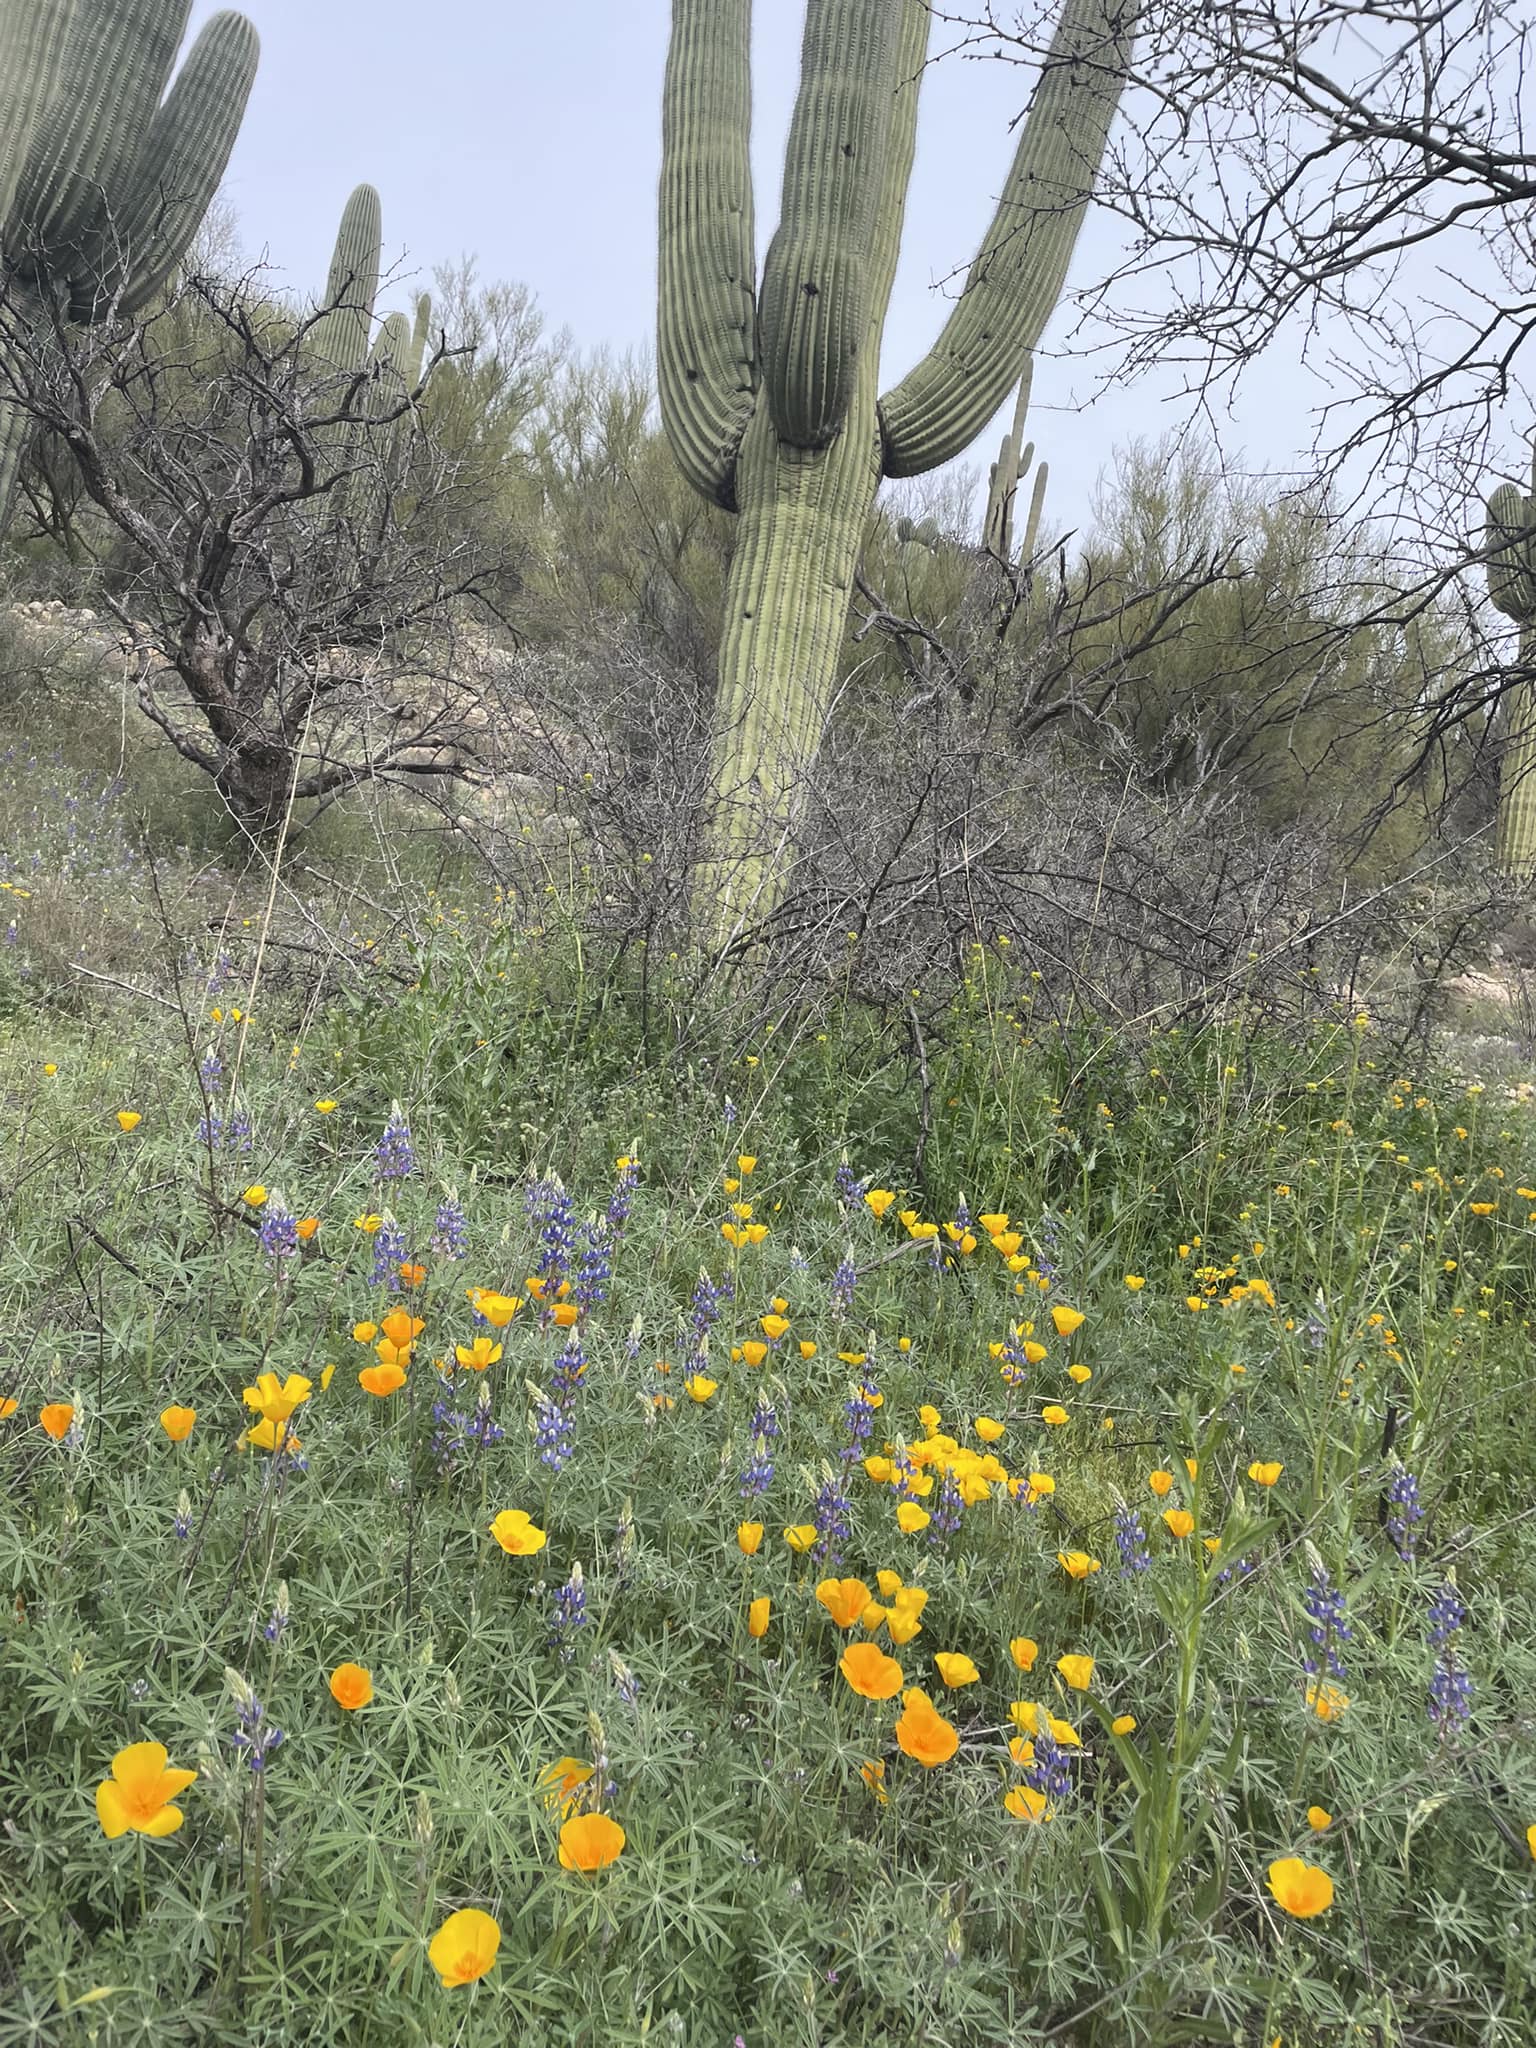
(706, 353)
(814, 311)
(937, 411)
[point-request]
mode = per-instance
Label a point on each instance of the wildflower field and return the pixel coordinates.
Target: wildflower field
(511, 1534)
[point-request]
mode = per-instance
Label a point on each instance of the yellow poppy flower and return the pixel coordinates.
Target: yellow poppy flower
(1135, 1282)
(773, 1326)
(912, 1519)
(129, 1119)
(757, 1616)
(1067, 1319)
(754, 1351)
(1054, 1415)
(1319, 1819)
(1024, 1650)
(988, 1429)
(955, 1668)
(177, 1423)
(1328, 1701)
(749, 1538)
(1180, 1522)
(514, 1530)
(1025, 1803)
(1265, 1474)
(464, 1947)
(1077, 1564)
(139, 1794)
(800, 1537)
(879, 1200)
(477, 1356)
(1300, 1889)
(923, 1733)
(699, 1387)
(1123, 1724)
(1077, 1671)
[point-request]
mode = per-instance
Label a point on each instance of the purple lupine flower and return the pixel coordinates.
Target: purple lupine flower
(757, 1474)
(859, 1411)
(390, 1248)
(620, 1200)
(1447, 1612)
(844, 1281)
(554, 1435)
(570, 1370)
(729, 1113)
(450, 1231)
(1451, 1687)
(1049, 1772)
(947, 1512)
(277, 1621)
(279, 1231)
(393, 1156)
(1328, 1626)
(549, 1208)
(1403, 1511)
(210, 1069)
(181, 1528)
(1131, 1539)
(594, 1268)
(483, 1429)
(255, 1737)
(830, 1514)
(447, 1437)
(570, 1614)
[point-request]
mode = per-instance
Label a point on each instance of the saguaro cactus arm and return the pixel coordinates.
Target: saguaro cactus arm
(706, 356)
(813, 310)
(936, 411)
(341, 335)
(33, 39)
(1511, 571)
(179, 166)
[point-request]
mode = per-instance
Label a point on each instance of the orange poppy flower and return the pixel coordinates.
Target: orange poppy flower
(177, 1423)
(139, 1793)
(351, 1686)
(922, 1731)
(1300, 1889)
(382, 1380)
(844, 1599)
(56, 1418)
(589, 1842)
(872, 1674)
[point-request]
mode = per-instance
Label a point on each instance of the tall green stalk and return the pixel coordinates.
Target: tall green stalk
(770, 398)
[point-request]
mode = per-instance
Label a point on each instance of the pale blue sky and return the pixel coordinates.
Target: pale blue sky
(527, 132)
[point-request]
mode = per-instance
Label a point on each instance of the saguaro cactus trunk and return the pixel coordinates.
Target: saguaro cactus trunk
(771, 401)
(105, 174)
(1511, 542)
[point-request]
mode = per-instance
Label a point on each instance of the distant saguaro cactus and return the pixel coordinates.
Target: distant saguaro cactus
(1511, 544)
(770, 398)
(1007, 473)
(104, 174)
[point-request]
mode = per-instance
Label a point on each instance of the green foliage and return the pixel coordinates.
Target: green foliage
(1339, 1278)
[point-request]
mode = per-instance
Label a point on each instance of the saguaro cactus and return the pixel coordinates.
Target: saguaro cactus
(104, 174)
(1004, 479)
(1511, 543)
(770, 400)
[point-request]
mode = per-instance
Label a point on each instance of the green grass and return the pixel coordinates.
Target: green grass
(763, 1890)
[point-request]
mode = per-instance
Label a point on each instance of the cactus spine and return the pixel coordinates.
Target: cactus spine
(104, 174)
(1511, 546)
(1012, 464)
(771, 402)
